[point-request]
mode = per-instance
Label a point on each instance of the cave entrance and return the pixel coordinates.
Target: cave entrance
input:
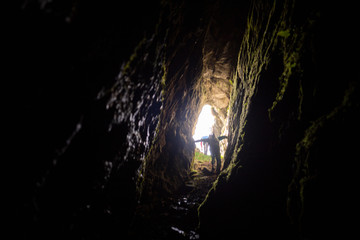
(209, 122)
(204, 128)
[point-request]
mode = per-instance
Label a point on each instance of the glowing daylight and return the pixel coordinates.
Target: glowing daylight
(204, 125)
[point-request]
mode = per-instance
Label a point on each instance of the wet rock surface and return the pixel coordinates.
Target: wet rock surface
(175, 217)
(106, 97)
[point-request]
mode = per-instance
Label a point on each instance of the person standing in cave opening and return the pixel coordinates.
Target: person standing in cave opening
(215, 153)
(215, 150)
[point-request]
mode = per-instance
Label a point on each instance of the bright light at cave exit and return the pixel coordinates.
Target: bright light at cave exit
(204, 126)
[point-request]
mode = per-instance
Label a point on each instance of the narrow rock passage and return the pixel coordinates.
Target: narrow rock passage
(175, 217)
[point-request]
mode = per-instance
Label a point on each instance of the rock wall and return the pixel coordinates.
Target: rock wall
(291, 103)
(76, 114)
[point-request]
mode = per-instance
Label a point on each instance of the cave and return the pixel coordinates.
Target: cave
(105, 98)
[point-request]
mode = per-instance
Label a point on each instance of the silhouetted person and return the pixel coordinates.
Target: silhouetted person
(215, 151)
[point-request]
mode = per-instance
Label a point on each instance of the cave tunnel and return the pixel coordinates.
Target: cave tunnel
(106, 96)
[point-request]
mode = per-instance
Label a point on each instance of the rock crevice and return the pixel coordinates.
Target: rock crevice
(280, 78)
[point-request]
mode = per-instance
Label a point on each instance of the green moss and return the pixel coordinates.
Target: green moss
(306, 167)
(134, 55)
(291, 49)
(284, 33)
(163, 78)
(163, 81)
(202, 157)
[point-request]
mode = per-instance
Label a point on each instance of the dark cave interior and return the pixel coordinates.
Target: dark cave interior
(106, 96)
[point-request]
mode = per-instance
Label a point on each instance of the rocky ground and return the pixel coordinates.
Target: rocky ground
(176, 217)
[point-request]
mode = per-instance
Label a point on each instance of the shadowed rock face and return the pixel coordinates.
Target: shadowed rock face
(109, 129)
(284, 120)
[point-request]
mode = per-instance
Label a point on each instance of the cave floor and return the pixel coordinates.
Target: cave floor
(175, 217)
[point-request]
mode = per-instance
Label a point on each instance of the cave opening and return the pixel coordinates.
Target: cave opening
(204, 127)
(208, 123)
